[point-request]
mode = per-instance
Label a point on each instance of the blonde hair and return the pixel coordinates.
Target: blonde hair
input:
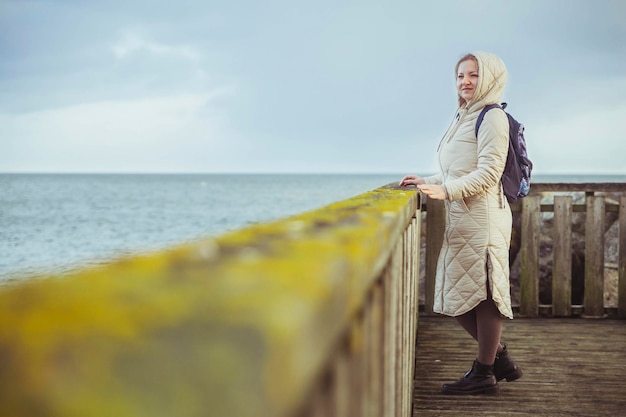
(466, 57)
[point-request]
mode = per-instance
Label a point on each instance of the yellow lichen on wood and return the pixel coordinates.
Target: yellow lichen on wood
(237, 325)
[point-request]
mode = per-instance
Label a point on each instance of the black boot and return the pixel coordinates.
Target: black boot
(505, 368)
(479, 380)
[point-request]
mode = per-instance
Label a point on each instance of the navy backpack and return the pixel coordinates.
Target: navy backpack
(516, 175)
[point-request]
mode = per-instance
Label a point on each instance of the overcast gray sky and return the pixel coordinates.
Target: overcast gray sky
(299, 86)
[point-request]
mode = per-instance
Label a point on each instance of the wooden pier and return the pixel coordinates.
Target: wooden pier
(572, 367)
(317, 316)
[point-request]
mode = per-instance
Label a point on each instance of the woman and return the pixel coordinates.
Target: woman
(472, 282)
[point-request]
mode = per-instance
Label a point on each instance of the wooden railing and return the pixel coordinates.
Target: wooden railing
(313, 315)
(557, 199)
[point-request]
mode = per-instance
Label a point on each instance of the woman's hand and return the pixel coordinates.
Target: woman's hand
(411, 180)
(434, 191)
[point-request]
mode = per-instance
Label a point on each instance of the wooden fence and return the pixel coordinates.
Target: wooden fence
(553, 198)
(313, 315)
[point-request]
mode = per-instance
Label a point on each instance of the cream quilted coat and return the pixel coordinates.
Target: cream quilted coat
(475, 251)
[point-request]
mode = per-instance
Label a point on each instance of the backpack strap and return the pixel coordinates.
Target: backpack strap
(481, 116)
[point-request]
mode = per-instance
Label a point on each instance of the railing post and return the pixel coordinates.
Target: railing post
(406, 305)
(621, 292)
(414, 253)
(357, 368)
(340, 392)
(529, 276)
(399, 326)
(594, 257)
(435, 226)
(389, 346)
(562, 250)
(374, 352)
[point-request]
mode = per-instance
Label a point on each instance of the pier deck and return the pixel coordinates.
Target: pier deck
(572, 367)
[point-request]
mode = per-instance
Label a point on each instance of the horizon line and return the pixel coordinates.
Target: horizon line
(265, 173)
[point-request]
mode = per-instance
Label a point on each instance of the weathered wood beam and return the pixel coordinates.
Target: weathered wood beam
(594, 257)
(252, 323)
(562, 250)
(529, 286)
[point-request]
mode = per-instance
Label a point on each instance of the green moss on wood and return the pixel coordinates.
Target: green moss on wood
(233, 325)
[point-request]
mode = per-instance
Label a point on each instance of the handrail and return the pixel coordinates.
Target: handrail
(308, 314)
(568, 187)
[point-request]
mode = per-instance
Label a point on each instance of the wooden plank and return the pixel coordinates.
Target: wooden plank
(404, 318)
(341, 383)
(562, 251)
(435, 226)
(529, 274)
(576, 208)
(594, 257)
(321, 402)
(399, 308)
(375, 353)
(411, 280)
(609, 187)
(389, 343)
(357, 368)
(399, 332)
(415, 290)
(367, 383)
(572, 367)
(417, 232)
(406, 305)
(413, 236)
(621, 292)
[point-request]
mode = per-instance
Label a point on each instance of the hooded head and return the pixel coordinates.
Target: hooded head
(491, 79)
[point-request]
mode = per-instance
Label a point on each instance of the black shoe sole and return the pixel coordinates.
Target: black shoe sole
(513, 376)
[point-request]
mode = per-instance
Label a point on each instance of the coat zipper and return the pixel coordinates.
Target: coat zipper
(455, 123)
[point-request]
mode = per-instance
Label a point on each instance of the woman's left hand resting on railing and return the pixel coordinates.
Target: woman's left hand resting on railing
(434, 191)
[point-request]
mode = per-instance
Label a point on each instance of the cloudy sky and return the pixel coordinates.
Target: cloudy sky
(299, 86)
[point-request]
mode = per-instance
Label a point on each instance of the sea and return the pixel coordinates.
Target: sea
(53, 224)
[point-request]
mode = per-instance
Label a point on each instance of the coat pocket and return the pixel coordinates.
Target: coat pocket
(470, 201)
(459, 206)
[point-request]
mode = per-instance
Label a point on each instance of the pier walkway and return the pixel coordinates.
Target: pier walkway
(316, 315)
(572, 367)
